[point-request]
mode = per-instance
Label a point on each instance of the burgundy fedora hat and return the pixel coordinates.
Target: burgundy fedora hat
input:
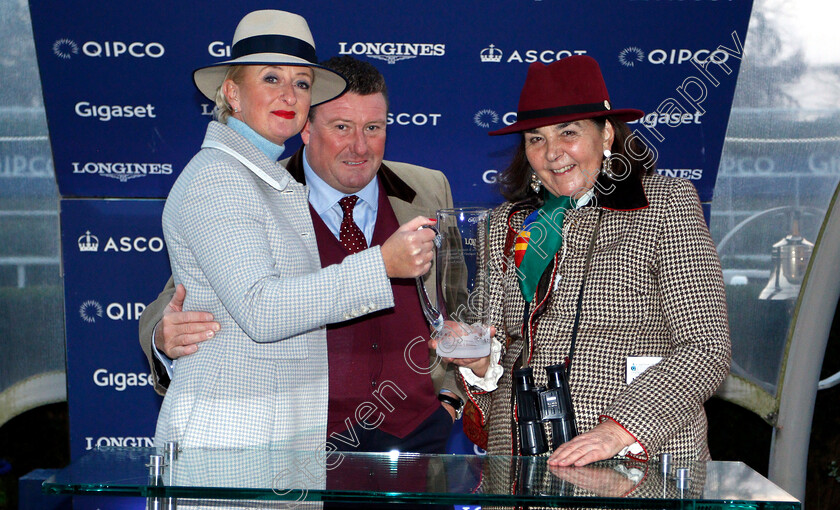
(569, 89)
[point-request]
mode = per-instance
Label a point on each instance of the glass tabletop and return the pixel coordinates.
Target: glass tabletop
(267, 474)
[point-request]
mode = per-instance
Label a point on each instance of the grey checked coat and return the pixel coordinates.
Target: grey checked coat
(247, 253)
(412, 191)
(654, 288)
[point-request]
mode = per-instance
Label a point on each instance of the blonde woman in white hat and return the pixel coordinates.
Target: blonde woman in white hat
(240, 238)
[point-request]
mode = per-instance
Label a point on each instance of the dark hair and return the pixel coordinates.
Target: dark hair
(362, 77)
(627, 149)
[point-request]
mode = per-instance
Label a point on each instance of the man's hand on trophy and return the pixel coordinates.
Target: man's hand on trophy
(408, 253)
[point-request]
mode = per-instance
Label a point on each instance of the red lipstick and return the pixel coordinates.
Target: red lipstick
(285, 114)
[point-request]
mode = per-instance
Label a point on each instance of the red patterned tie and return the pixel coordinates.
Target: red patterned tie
(350, 234)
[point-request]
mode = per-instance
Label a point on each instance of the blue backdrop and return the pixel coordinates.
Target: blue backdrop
(124, 118)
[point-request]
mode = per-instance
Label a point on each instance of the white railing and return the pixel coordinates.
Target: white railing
(23, 262)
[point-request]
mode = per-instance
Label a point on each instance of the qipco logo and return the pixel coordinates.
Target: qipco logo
(115, 49)
(678, 56)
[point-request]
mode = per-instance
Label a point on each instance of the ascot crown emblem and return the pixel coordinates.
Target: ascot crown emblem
(88, 242)
(491, 54)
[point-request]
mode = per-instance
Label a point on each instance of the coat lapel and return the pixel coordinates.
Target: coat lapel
(400, 195)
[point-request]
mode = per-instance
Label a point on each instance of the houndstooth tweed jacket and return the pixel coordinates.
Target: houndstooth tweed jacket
(654, 288)
(245, 248)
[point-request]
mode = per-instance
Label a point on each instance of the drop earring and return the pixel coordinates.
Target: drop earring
(536, 183)
(606, 165)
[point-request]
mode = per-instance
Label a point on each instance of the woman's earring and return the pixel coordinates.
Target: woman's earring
(536, 183)
(236, 110)
(606, 165)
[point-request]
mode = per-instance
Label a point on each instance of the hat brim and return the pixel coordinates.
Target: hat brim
(626, 115)
(327, 85)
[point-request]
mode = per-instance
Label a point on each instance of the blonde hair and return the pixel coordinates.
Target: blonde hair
(223, 110)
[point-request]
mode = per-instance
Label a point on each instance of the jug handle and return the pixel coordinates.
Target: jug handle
(433, 316)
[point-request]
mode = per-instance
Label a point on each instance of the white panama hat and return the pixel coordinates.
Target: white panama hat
(271, 37)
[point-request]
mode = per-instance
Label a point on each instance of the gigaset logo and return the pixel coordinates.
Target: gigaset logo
(106, 112)
(121, 380)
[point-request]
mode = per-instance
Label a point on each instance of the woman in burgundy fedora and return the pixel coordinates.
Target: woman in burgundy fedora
(599, 262)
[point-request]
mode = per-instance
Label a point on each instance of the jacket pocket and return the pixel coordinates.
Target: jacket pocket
(295, 348)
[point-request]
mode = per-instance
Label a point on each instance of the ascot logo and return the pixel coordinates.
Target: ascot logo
(88, 242)
(488, 118)
(414, 119)
(392, 52)
(90, 310)
(633, 55)
(65, 48)
(493, 54)
(121, 171)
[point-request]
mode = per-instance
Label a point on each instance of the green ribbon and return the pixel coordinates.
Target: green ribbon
(541, 238)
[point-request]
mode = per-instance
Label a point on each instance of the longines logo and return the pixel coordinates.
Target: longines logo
(392, 52)
(90, 243)
(130, 442)
(121, 171)
(633, 55)
(694, 174)
(91, 310)
(487, 118)
(66, 48)
(493, 54)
